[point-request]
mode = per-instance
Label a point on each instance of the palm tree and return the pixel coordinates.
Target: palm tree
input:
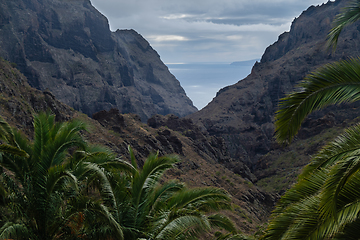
(34, 176)
(90, 194)
(325, 202)
(40, 180)
(147, 209)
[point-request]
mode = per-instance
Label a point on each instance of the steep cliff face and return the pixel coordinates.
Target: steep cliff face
(200, 153)
(243, 113)
(66, 47)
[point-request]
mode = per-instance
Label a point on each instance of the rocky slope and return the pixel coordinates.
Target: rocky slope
(232, 144)
(66, 47)
(243, 113)
(202, 155)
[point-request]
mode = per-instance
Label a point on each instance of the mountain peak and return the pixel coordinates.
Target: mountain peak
(68, 48)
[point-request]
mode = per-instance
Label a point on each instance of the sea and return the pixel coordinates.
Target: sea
(201, 81)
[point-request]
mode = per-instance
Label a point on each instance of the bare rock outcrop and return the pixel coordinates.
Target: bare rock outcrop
(66, 48)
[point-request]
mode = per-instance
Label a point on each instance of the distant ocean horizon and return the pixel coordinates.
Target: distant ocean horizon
(201, 81)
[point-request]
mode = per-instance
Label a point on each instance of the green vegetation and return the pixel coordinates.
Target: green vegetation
(41, 182)
(325, 202)
(59, 187)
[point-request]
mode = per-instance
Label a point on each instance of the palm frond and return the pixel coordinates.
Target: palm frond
(56, 176)
(6, 132)
(132, 158)
(350, 232)
(99, 208)
(305, 187)
(95, 213)
(147, 179)
(183, 225)
(221, 221)
(334, 83)
(14, 231)
(104, 158)
(162, 194)
(340, 147)
(63, 137)
(203, 199)
(96, 174)
(338, 177)
(348, 15)
(13, 150)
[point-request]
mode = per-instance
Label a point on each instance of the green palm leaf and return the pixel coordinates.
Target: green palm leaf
(220, 221)
(325, 202)
(348, 15)
(14, 230)
(6, 132)
(189, 224)
(145, 181)
(337, 149)
(161, 194)
(326, 199)
(332, 84)
(147, 209)
(350, 232)
(203, 199)
(13, 150)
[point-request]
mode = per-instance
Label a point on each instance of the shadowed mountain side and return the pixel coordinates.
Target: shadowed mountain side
(201, 154)
(243, 113)
(66, 47)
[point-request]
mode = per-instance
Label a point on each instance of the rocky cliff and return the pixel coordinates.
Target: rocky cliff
(243, 113)
(66, 48)
(201, 154)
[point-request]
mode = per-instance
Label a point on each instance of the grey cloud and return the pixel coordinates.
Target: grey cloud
(205, 30)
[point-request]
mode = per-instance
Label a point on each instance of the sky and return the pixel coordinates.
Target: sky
(188, 31)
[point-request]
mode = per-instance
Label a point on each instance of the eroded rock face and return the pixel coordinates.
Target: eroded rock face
(243, 113)
(67, 48)
(198, 168)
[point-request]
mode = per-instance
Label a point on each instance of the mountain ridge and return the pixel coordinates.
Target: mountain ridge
(201, 155)
(231, 147)
(243, 113)
(68, 48)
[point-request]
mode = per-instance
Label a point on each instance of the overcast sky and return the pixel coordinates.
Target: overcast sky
(183, 31)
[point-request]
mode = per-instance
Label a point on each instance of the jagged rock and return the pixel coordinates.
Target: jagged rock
(205, 144)
(198, 168)
(312, 127)
(67, 48)
(170, 142)
(112, 119)
(173, 122)
(18, 101)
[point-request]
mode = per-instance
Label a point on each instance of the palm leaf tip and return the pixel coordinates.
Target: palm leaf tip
(347, 16)
(13, 150)
(221, 221)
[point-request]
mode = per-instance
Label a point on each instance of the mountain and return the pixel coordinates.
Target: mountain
(243, 113)
(66, 48)
(66, 51)
(202, 155)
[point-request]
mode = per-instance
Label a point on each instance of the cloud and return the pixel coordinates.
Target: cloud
(205, 30)
(167, 38)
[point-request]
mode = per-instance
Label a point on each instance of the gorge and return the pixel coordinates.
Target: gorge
(61, 56)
